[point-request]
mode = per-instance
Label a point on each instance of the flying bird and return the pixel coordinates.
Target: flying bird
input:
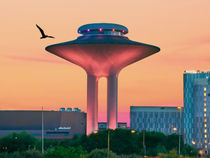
(43, 34)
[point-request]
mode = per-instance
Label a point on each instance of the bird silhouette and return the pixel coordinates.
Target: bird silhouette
(43, 34)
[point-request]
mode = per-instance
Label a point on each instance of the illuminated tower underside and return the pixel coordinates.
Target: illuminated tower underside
(102, 54)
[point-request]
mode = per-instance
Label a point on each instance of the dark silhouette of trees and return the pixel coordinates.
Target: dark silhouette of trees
(122, 142)
(16, 142)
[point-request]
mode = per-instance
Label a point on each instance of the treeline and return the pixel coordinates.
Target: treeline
(122, 142)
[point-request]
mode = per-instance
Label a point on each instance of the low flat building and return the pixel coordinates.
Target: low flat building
(57, 124)
(160, 119)
(103, 125)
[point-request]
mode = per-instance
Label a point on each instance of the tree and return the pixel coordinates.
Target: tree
(32, 154)
(62, 152)
(48, 143)
(172, 154)
(11, 155)
(101, 153)
(16, 142)
(123, 141)
(189, 150)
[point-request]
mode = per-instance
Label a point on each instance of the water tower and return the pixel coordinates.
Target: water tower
(102, 50)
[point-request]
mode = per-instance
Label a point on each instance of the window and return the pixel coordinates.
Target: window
(204, 120)
(205, 141)
(156, 114)
(205, 146)
(204, 109)
(204, 89)
(205, 136)
(204, 94)
(204, 99)
(204, 104)
(204, 114)
(145, 115)
(205, 125)
(151, 115)
(205, 130)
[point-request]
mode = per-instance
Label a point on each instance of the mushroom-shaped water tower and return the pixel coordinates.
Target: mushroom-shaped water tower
(102, 51)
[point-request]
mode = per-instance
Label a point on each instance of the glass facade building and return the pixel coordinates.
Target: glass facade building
(160, 119)
(196, 111)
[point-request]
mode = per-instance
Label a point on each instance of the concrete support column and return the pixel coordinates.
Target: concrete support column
(112, 87)
(92, 104)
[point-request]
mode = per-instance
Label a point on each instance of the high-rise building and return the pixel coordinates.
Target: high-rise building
(201, 119)
(102, 50)
(194, 106)
(160, 119)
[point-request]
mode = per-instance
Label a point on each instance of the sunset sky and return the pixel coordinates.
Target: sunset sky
(30, 77)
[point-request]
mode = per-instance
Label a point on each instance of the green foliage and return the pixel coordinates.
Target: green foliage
(95, 141)
(11, 155)
(32, 154)
(27, 154)
(122, 142)
(129, 156)
(160, 149)
(75, 141)
(172, 142)
(172, 154)
(16, 142)
(48, 143)
(62, 152)
(101, 153)
(162, 155)
(189, 150)
(153, 139)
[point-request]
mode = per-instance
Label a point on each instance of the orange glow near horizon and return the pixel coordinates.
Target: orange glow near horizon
(31, 77)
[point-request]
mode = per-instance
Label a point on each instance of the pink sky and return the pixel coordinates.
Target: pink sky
(31, 77)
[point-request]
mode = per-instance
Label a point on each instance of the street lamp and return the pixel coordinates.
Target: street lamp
(180, 124)
(144, 146)
(42, 131)
(108, 145)
(175, 129)
(95, 132)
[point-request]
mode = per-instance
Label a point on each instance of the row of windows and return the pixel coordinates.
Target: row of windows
(205, 120)
(161, 125)
(159, 120)
(161, 114)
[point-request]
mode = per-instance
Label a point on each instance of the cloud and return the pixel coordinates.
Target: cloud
(184, 52)
(193, 43)
(29, 59)
(200, 41)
